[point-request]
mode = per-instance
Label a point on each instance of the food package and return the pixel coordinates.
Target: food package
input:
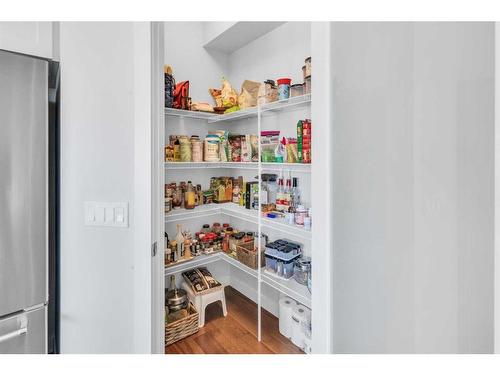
(246, 149)
(254, 143)
(223, 144)
(249, 94)
(291, 150)
(269, 141)
(235, 148)
(228, 94)
(202, 107)
(217, 95)
(280, 152)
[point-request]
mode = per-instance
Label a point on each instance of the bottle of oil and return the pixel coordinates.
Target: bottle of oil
(189, 197)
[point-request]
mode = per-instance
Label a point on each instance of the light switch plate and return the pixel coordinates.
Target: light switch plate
(106, 214)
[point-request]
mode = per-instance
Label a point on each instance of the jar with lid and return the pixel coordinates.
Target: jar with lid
(212, 148)
(206, 228)
(284, 88)
(300, 215)
(196, 149)
(302, 270)
(268, 92)
(216, 228)
(296, 90)
(307, 85)
(308, 67)
(185, 149)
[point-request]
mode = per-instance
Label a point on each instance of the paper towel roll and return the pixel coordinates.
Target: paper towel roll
(286, 305)
(301, 316)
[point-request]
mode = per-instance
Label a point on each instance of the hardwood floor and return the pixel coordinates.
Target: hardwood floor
(236, 333)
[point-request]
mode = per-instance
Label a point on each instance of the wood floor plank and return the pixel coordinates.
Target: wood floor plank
(236, 333)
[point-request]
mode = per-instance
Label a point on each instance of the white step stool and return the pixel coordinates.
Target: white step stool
(201, 301)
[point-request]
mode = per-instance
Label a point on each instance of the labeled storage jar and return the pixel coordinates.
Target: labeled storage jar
(196, 149)
(284, 88)
(296, 90)
(212, 148)
(307, 85)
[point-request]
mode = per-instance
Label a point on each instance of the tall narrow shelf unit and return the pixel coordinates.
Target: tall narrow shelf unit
(263, 288)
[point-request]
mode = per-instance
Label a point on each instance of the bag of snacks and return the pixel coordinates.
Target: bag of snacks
(249, 94)
(235, 147)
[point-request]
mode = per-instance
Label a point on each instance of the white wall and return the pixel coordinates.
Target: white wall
(279, 53)
(105, 305)
(30, 38)
(413, 187)
(190, 61)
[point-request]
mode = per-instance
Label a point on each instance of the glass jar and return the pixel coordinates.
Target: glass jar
(308, 67)
(216, 228)
(177, 198)
(300, 215)
(302, 270)
(307, 85)
(296, 90)
(206, 228)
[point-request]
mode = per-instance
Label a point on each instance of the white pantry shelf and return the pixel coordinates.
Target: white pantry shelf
(211, 165)
(239, 212)
(289, 287)
(197, 261)
(189, 114)
(294, 167)
(243, 113)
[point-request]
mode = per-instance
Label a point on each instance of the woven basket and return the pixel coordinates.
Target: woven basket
(182, 328)
(247, 254)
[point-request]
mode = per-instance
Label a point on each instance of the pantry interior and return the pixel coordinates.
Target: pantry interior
(206, 54)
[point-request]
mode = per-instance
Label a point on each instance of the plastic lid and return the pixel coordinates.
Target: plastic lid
(284, 81)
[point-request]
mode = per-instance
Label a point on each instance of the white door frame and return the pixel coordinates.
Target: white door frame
(322, 190)
(157, 191)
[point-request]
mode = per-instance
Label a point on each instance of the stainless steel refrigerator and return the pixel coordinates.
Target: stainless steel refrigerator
(24, 203)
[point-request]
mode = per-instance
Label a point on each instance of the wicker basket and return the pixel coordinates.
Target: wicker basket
(247, 254)
(182, 328)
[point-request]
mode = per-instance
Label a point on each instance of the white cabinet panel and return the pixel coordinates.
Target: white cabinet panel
(31, 38)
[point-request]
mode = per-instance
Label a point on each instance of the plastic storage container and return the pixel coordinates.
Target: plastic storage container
(284, 88)
(296, 90)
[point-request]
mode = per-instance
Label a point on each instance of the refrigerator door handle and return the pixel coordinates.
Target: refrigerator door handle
(18, 332)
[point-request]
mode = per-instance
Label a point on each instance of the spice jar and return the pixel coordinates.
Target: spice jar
(168, 205)
(284, 88)
(296, 90)
(196, 149)
(216, 228)
(206, 228)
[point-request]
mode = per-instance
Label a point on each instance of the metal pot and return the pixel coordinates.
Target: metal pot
(176, 299)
